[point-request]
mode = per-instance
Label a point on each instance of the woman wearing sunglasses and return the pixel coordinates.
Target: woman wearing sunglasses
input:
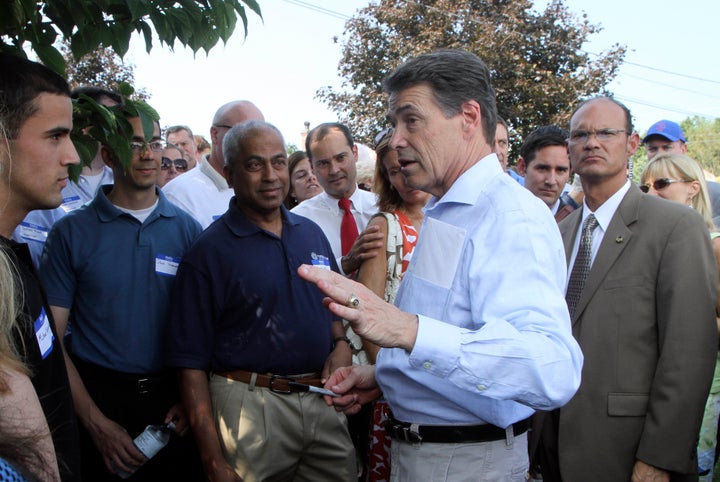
(174, 162)
(679, 178)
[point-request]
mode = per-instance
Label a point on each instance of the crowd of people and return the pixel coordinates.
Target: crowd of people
(446, 317)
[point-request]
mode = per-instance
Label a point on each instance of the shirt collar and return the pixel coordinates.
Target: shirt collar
(108, 212)
(606, 211)
(217, 179)
(241, 226)
(465, 189)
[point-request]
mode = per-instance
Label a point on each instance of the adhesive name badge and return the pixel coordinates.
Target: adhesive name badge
(166, 265)
(71, 203)
(44, 334)
(33, 232)
(320, 261)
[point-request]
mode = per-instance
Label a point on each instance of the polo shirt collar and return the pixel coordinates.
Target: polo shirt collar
(241, 226)
(108, 212)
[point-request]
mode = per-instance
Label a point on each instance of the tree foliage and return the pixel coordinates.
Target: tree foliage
(539, 68)
(100, 68)
(89, 28)
(89, 24)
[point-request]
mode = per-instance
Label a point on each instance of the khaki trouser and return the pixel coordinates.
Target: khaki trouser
(268, 436)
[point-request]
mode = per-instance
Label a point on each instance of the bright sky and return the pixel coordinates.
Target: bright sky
(287, 57)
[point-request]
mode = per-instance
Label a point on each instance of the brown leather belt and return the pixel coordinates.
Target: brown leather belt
(276, 383)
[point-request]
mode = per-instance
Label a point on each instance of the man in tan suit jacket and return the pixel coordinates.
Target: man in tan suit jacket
(645, 319)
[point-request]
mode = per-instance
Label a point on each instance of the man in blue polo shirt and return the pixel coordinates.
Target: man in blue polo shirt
(109, 266)
(241, 313)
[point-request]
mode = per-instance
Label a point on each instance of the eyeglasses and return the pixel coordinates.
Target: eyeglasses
(660, 184)
(581, 137)
(155, 146)
(180, 164)
(388, 131)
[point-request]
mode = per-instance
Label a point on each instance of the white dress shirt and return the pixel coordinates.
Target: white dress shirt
(325, 212)
(202, 192)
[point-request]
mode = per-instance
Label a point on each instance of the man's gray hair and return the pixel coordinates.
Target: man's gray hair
(236, 137)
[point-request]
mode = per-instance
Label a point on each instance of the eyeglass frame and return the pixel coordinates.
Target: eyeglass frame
(665, 182)
(173, 162)
(601, 135)
(141, 146)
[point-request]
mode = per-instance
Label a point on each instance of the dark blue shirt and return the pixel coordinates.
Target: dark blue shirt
(238, 302)
(115, 274)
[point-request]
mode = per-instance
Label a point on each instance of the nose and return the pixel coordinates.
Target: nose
(70, 154)
(397, 140)
(268, 172)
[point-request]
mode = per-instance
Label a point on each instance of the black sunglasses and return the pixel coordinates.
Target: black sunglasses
(180, 164)
(660, 184)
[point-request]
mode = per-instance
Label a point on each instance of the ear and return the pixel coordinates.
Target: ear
(521, 166)
(355, 152)
(107, 157)
(228, 175)
(472, 115)
(632, 144)
(693, 189)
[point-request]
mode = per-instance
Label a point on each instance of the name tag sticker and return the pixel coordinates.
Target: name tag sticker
(71, 203)
(44, 334)
(33, 232)
(320, 261)
(166, 265)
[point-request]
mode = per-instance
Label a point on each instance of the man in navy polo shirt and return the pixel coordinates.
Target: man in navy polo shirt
(241, 313)
(109, 267)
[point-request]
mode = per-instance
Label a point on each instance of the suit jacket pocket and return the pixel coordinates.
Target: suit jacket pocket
(627, 404)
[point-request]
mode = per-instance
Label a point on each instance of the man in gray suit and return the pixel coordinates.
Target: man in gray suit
(643, 315)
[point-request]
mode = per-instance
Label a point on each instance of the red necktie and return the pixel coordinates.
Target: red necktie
(348, 228)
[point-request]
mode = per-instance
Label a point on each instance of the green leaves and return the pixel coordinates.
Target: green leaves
(538, 65)
(89, 24)
(95, 124)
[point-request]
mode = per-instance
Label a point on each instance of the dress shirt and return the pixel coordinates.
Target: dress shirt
(604, 215)
(487, 281)
(325, 212)
(202, 192)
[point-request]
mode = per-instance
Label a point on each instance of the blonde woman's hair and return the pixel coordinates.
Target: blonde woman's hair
(681, 167)
(10, 301)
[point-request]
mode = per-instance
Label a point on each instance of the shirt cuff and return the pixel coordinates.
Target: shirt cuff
(437, 347)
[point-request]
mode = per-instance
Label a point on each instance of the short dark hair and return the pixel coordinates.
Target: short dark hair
(455, 76)
(319, 132)
(236, 137)
(628, 116)
(544, 136)
(96, 93)
(21, 81)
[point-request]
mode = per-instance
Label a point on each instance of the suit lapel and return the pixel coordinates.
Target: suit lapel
(568, 230)
(616, 237)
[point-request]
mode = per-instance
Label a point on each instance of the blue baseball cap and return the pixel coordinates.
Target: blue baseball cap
(667, 129)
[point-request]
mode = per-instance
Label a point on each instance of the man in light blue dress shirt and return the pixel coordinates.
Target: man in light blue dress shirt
(481, 333)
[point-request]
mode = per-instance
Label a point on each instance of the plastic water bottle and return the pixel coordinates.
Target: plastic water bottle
(149, 443)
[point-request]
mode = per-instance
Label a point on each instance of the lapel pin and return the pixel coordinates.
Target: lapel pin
(619, 239)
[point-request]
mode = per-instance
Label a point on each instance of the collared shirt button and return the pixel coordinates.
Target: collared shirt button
(481, 387)
(427, 365)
